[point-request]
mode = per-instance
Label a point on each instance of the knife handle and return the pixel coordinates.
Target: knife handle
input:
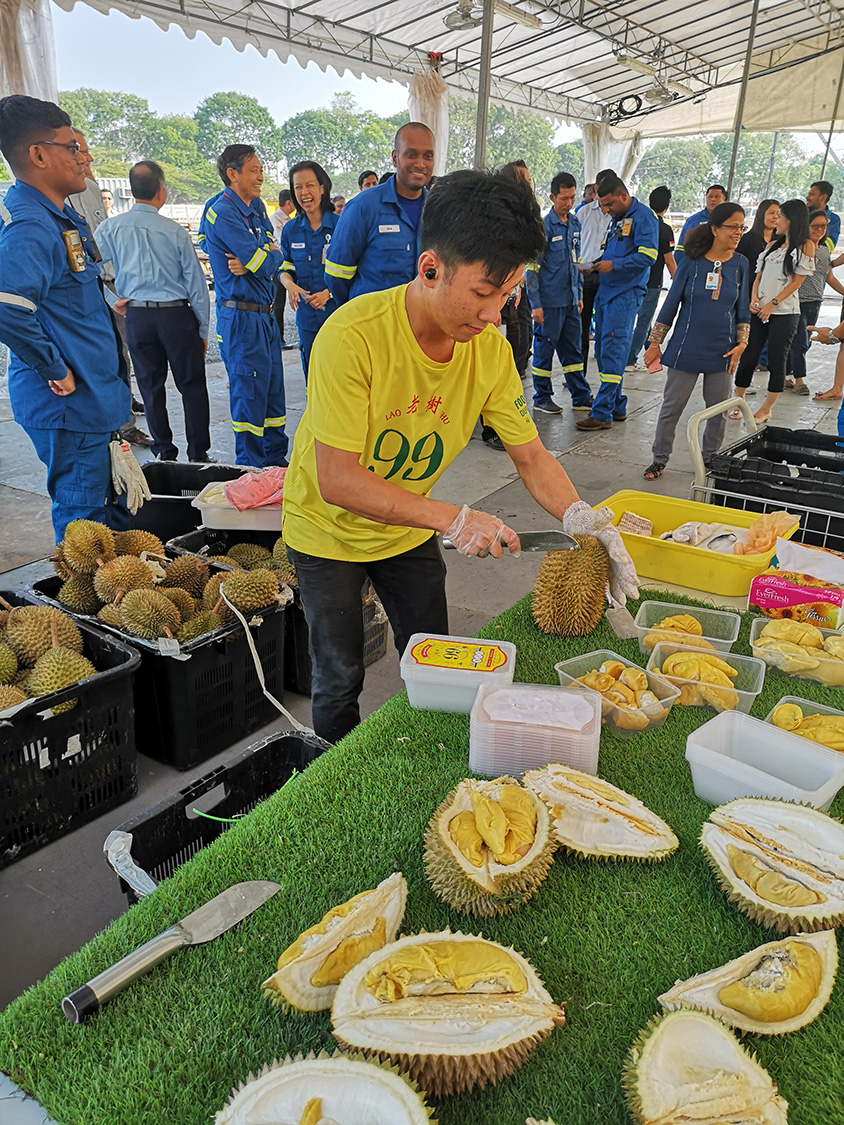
(87, 1000)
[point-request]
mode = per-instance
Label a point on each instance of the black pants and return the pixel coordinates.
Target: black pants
(157, 337)
(411, 587)
(590, 291)
(778, 334)
(279, 302)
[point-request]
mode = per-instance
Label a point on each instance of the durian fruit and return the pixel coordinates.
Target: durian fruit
(453, 1010)
(249, 555)
(206, 621)
(115, 579)
(310, 969)
(323, 1090)
(687, 1067)
(708, 679)
(78, 594)
(29, 631)
(11, 696)
(596, 820)
(211, 593)
(226, 560)
(8, 664)
(681, 628)
(281, 563)
(188, 572)
(570, 592)
(149, 614)
(251, 590)
(186, 605)
(58, 668)
(828, 730)
(774, 989)
(110, 614)
(135, 542)
(86, 545)
(60, 564)
(781, 864)
(488, 847)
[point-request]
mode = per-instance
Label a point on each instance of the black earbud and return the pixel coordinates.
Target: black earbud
(431, 274)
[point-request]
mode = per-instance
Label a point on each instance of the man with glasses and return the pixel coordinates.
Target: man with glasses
(68, 385)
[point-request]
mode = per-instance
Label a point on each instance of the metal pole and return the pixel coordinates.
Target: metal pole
(832, 122)
(483, 85)
(771, 165)
(742, 94)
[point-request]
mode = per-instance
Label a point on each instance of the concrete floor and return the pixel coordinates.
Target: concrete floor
(55, 900)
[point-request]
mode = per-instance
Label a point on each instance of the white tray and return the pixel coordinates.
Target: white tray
(227, 518)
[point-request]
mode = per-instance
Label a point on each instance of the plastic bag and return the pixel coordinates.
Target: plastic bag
(257, 490)
(763, 533)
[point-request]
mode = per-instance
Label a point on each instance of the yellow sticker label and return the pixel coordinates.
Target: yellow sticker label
(468, 655)
(626, 227)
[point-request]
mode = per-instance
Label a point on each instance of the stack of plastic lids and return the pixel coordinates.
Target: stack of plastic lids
(520, 727)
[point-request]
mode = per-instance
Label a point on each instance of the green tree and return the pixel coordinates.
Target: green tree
(230, 118)
(110, 119)
(570, 159)
(512, 134)
(684, 164)
(342, 137)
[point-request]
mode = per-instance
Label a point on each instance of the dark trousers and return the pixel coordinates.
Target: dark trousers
(279, 302)
(590, 291)
(777, 334)
(411, 587)
(809, 313)
(157, 337)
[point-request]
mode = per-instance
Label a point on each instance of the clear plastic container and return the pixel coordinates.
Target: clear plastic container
(747, 684)
(616, 718)
(226, 516)
(734, 755)
(443, 673)
(719, 627)
(808, 708)
(500, 746)
(829, 672)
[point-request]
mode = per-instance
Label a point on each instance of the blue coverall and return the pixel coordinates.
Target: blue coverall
(251, 343)
(304, 251)
(833, 229)
(632, 243)
(52, 319)
(555, 285)
(374, 245)
(690, 224)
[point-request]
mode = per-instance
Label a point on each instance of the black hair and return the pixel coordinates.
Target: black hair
(699, 242)
(514, 170)
(334, 198)
(365, 176)
(387, 176)
(824, 187)
(562, 180)
(610, 184)
(797, 213)
(819, 213)
(23, 121)
(233, 156)
(410, 125)
(659, 198)
(604, 172)
(146, 178)
(284, 196)
(717, 187)
(323, 179)
(759, 218)
(486, 217)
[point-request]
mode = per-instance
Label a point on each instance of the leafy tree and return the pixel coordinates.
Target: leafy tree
(512, 134)
(685, 164)
(570, 159)
(110, 119)
(231, 118)
(342, 137)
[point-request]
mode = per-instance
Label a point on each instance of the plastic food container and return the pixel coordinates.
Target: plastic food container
(719, 627)
(829, 672)
(808, 708)
(747, 684)
(615, 718)
(225, 515)
(734, 755)
(510, 746)
(443, 673)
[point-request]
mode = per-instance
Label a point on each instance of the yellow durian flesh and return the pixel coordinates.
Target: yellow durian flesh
(491, 821)
(312, 1114)
(781, 986)
(468, 840)
(443, 968)
(769, 884)
(348, 953)
(787, 717)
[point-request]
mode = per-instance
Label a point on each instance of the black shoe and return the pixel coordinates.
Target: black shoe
(288, 347)
(619, 417)
(495, 442)
(138, 407)
(548, 406)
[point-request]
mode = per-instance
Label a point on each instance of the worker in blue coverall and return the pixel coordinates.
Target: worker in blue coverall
(716, 194)
(555, 291)
(245, 261)
(68, 383)
(625, 265)
(817, 199)
(305, 240)
(375, 244)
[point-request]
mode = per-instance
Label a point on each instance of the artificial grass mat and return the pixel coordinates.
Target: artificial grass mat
(606, 938)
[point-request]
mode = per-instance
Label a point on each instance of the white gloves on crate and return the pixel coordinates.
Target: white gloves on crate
(581, 519)
(126, 475)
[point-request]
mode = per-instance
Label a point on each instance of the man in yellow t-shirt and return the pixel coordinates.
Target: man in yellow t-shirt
(398, 379)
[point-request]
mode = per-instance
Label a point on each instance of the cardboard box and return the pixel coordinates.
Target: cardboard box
(797, 597)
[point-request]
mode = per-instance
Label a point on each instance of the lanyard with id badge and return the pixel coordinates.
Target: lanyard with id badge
(713, 280)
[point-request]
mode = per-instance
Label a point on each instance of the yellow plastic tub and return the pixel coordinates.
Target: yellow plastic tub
(677, 563)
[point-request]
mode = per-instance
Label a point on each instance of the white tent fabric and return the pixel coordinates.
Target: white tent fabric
(27, 52)
(604, 147)
(428, 102)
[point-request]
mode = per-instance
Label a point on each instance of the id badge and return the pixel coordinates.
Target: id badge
(712, 280)
(626, 227)
(325, 248)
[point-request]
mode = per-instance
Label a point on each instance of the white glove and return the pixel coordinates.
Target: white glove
(580, 519)
(126, 475)
(476, 533)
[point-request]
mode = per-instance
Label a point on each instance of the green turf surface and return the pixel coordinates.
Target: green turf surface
(606, 938)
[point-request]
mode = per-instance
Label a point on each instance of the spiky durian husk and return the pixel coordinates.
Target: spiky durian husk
(249, 556)
(60, 564)
(110, 614)
(115, 579)
(198, 626)
(8, 664)
(149, 614)
(188, 572)
(11, 696)
(454, 886)
(251, 590)
(570, 592)
(135, 541)
(211, 593)
(29, 631)
(86, 544)
(280, 551)
(186, 605)
(78, 594)
(59, 668)
(285, 571)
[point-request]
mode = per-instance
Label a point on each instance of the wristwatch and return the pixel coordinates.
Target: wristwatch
(775, 300)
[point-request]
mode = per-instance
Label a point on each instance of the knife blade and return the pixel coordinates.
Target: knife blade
(551, 540)
(209, 921)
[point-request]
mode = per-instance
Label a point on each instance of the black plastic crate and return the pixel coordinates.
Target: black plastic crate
(173, 485)
(192, 704)
(58, 772)
(166, 836)
(297, 663)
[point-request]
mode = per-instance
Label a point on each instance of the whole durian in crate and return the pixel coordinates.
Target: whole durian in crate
(570, 593)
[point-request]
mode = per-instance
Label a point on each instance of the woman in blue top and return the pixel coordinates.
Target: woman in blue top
(710, 291)
(304, 244)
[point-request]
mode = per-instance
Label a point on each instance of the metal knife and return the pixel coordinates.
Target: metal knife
(204, 924)
(538, 541)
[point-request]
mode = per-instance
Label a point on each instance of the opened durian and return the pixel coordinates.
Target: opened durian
(310, 969)
(570, 592)
(488, 847)
(455, 1011)
(828, 730)
(596, 820)
(326, 1090)
(776, 988)
(687, 1067)
(781, 864)
(708, 679)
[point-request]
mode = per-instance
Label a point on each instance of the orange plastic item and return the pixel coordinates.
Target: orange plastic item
(763, 533)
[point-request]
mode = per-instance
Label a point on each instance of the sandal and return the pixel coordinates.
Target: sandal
(654, 471)
(762, 419)
(828, 396)
(735, 413)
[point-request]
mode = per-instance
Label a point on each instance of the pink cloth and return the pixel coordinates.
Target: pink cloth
(257, 490)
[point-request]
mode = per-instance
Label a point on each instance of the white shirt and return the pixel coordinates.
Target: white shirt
(593, 227)
(277, 221)
(773, 278)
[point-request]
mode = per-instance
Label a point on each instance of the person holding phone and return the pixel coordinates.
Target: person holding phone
(710, 293)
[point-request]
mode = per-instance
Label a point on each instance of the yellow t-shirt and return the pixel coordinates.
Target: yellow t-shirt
(373, 391)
